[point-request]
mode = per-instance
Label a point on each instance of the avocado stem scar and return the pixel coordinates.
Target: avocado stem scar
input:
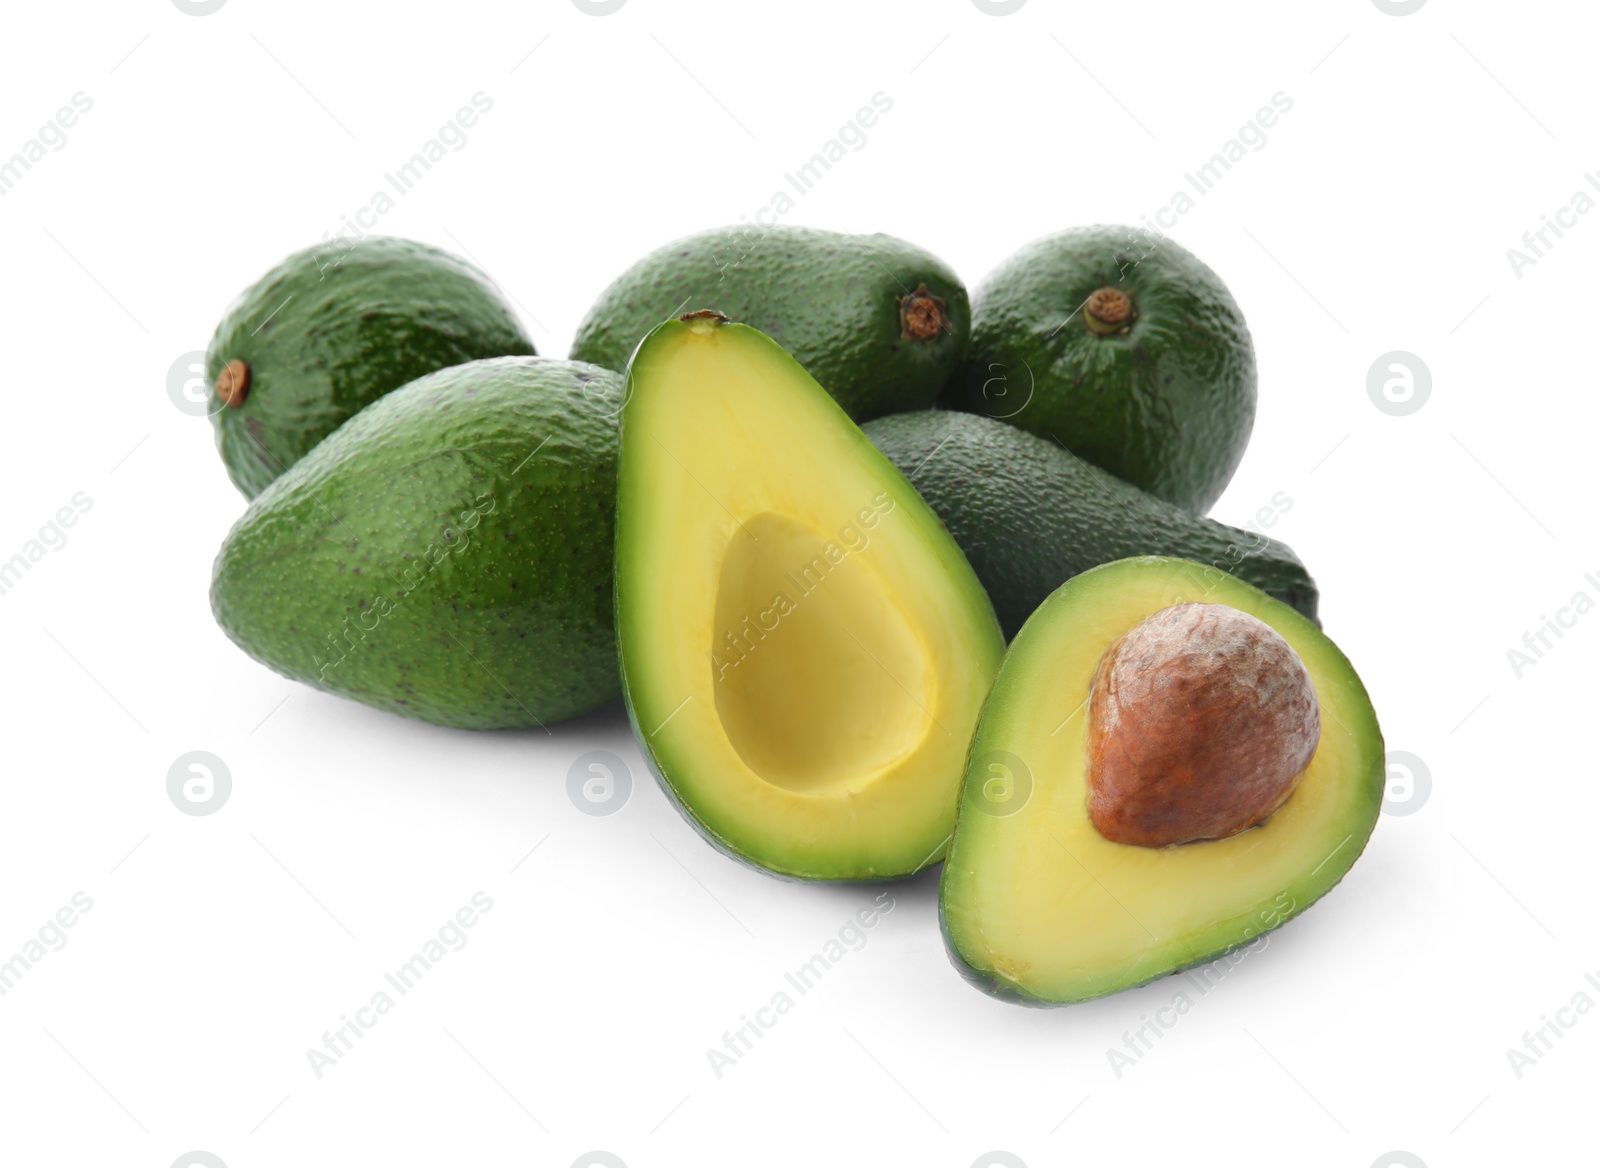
(922, 315)
(704, 320)
(233, 383)
(1108, 310)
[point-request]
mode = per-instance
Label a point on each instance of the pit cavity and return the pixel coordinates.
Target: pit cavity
(820, 680)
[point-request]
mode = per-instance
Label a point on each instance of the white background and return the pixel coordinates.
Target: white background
(1377, 217)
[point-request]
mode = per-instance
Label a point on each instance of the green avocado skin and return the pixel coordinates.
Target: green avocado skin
(337, 326)
(1167, 405)
(446, 554)
(832, 300)
(1030, 515)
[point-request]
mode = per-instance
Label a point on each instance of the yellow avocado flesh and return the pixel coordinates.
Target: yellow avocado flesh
(1037, 905)
(805, 650)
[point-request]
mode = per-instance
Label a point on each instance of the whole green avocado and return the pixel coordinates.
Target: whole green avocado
(333, 328)
(879, 323)
(1124, 348)
(1030, 515)
(446, 553)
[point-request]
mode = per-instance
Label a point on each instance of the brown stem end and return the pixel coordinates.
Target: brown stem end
(922, 315)
(1108, 310)
(233, 383)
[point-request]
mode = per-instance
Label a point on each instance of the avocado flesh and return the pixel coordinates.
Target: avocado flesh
(831, 299)
(804, 648)
(1165, 403)
(1030, 514)
(446, 553)
(1038, 907)
(335, 327)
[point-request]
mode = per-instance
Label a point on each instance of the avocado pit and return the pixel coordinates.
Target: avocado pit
(1202, 720)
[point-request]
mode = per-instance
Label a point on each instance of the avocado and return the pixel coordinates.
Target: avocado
(1030, 515)
(446, 553)
(1171, 764)
(804, 648)
(1124, 348)
(333, 328)
(880, 323)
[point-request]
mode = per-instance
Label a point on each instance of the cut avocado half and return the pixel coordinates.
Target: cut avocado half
(1036, 903)
(804, 648)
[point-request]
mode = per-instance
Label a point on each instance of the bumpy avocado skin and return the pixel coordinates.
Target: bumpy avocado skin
(1031, 515)
(1166, 405)
(447, 553)
(337, 326)
(832, 300)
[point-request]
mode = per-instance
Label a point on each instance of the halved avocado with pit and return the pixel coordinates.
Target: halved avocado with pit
(1149, 706)
(804, 648)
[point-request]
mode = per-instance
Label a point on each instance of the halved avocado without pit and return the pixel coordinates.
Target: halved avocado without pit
(804, 648)
(1170, 764)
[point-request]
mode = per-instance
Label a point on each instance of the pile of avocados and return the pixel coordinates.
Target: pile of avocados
(887, 576)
